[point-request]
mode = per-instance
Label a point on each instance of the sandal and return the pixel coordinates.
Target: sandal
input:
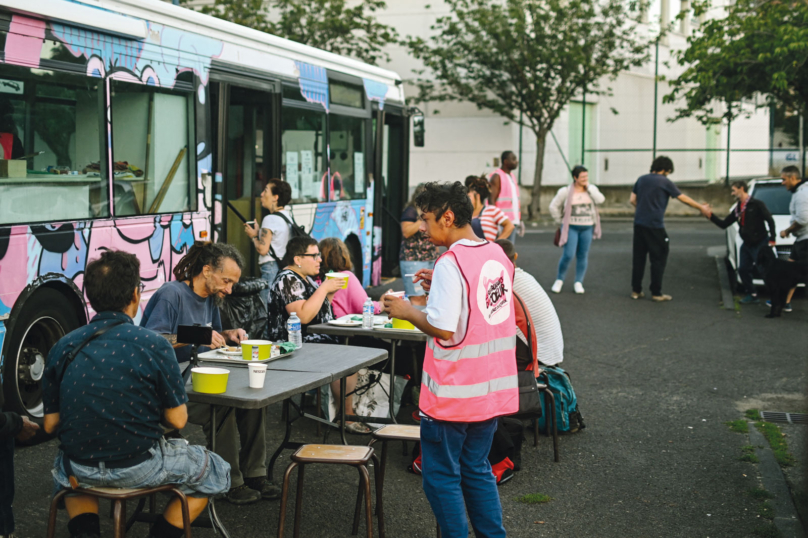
(358, 428)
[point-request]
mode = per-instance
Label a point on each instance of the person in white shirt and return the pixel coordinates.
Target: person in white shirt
(549, 339)
(271, 238)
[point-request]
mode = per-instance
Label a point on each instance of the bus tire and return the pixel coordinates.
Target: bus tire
(45, 318)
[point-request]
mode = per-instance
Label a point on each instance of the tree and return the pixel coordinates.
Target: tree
(527, 56)
(325, 24)
(761, 47)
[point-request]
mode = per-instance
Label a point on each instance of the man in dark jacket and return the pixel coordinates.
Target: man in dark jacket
(12, 426)
(752, 215)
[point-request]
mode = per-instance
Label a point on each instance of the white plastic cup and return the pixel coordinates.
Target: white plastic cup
(258, 373)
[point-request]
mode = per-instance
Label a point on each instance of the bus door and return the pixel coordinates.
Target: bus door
(392, 166)
(244, 113)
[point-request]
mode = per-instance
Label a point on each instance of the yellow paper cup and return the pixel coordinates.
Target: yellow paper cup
(341, 276)
(256, 350)
(209, 380)
(402, 324)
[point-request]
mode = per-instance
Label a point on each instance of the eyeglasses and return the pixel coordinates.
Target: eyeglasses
(316, 256)
(141, 287)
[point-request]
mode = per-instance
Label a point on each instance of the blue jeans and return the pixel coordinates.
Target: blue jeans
(413, 290)
(578, 242)
(197, 471)
(455, 469)
(268, 272)
(6, 486)
(746, 266)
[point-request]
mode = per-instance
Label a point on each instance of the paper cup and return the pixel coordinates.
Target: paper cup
(209, 380)
(340, 276)
(256, 350)
(399, 294)
(258, 373)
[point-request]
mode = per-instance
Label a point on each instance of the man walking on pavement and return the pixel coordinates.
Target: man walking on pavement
(469, 374)
(650, 196)
(798, 208)
(752, 215)
(505, 193)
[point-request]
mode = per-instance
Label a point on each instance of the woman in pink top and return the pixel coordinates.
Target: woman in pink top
(337, 259)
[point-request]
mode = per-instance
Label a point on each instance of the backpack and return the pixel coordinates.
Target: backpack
(295, 230)
(568, 418)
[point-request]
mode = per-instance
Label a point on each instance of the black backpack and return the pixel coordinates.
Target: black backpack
(295, 230)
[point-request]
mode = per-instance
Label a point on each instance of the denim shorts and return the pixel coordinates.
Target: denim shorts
(197, 472)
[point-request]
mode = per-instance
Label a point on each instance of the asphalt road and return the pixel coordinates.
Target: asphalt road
(655, 383)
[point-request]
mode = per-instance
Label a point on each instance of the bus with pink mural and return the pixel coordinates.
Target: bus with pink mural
(142, 126)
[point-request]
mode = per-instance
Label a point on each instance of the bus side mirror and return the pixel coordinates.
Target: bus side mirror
(418, 130)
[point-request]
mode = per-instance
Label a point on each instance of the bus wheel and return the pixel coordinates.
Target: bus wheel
(45, 318)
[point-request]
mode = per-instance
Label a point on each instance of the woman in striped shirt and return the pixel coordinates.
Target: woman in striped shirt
(487, 220)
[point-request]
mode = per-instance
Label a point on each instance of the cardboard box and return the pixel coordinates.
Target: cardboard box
(13, 168)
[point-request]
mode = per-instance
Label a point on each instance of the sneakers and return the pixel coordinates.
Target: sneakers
(661, 298)
(557, 286)
(578, 287)
(637, 295)
(242, 495)
(786, 308)
(750, 299)
(264, 487)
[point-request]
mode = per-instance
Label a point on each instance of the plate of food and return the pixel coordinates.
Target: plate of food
(230, 350)
(352, 320)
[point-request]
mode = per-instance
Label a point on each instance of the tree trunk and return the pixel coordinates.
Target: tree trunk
(535, 203)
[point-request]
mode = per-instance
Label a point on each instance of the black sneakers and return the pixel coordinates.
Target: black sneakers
(264, 487)
(243, 494)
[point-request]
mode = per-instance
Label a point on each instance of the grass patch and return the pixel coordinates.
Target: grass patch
(738, 426)
(752, 414)
(766, 510)
(777, 442)
(759, 494)
(533, 498)
(767, 531)
(749, 458)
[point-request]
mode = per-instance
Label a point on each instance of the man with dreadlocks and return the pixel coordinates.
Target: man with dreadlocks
(204, 276)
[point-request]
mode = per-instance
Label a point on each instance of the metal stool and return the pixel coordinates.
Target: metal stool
(393, 432)
(355, 456)
(119, 496)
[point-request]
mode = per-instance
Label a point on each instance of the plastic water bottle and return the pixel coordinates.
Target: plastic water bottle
(293, 328)
(367, 314)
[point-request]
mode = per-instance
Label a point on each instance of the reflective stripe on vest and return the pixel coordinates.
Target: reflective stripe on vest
(470, 391)
(472, 351)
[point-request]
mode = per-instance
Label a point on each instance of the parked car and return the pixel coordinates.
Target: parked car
(777, 198)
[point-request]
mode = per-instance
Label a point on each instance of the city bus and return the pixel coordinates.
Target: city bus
(142, 126)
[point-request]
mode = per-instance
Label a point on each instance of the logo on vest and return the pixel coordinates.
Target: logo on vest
(494, 292)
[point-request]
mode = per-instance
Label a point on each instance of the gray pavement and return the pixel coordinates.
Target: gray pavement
(655, 383)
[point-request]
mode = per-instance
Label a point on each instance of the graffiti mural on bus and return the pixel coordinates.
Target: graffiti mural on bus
(65, 249)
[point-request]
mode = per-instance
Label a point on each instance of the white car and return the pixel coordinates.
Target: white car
(771, 192)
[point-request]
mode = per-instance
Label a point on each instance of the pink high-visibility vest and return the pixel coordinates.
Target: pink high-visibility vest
(475, 379)
(508, 200)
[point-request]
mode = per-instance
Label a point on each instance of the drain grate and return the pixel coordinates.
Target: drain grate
(786, 418)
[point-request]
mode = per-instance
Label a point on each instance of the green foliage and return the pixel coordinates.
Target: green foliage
(752, 414)
(326, 24)
(748, 454)
(759, 494)
(766, 510)
(527, 57)
(761, 47)
(738, 426)
(767, 531)
(533, 498)
(777, 441)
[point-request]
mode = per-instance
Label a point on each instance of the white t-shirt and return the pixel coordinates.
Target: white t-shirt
(280, 235)
(549, 338)
(447, 307)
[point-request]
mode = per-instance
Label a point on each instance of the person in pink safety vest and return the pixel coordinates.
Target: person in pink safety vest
(469, 376)
(505, 192)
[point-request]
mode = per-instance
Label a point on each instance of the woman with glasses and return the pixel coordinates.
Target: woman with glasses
(295, 290)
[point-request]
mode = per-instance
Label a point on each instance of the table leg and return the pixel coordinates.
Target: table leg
(214, 517)
(287, 435)
(393, 381)
(342, 390)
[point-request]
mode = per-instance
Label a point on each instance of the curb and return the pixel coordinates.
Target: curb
(723, 280)
(785, 519)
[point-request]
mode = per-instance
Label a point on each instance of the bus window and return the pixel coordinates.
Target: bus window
(54, 120)
(347, 158)
(153, 160)
(303, 147)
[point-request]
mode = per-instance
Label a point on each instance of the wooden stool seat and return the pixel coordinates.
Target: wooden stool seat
(338, 454)
(398, 432)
